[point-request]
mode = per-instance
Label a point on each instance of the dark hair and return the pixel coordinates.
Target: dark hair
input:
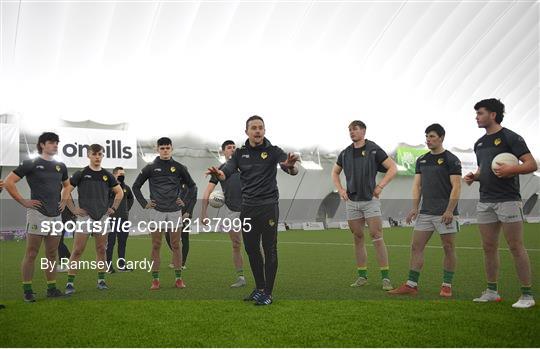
(95, 148)
(494, 106)
(116, 169)
(358, 123)
(44, 138)
(254, 117)
(437, 128)
(164, 141)
(226, 143)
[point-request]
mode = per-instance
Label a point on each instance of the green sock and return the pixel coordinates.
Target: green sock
(385, 273)
(414, 275)
(27, 287)
(71, 278)
(526, 290)
(492, 286)
(155, 275)
(51, 285)
(240, 272)
(362, 272)
(101, 275)
(448, 276)
(178, 273)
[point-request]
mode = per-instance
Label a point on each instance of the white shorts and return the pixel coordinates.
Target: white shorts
(363, 209)
(232, 217)
(93, 226)
(427, 222)
(35, 221)
(505, 212)
(167, 220)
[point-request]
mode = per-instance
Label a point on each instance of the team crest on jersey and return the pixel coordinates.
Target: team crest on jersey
(173, 169)
(58, 168)
(105, 178)
(271, 222)
(440, 161)
(264, 155)
(363, 153)
(497, 141)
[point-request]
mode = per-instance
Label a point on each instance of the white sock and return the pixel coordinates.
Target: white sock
(412, 283)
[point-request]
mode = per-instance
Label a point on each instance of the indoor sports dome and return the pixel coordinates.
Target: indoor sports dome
(126, 73)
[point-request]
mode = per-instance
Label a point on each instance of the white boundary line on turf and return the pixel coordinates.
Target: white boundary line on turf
(345, 244)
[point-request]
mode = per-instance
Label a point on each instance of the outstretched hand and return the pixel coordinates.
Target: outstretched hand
(214, 171)
(291, 160)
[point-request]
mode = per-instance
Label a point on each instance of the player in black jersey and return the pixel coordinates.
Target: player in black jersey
(500, 201)
(93, 185)
(45, 177)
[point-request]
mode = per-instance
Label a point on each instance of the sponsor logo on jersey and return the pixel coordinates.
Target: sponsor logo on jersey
(58, 168)
(363, 153)
(105, 178)
(173, 169)
(497, 141)
(264, 155)
(440, 161)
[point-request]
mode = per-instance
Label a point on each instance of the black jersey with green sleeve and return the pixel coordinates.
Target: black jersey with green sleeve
(232, 190)
(93, 189)
(165, 178)
(435, 171)
(45, 179)
(493, 188)
(258, 170)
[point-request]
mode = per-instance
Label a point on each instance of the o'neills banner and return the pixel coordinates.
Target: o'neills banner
(120, 147)
(406, 159)
(9, 145)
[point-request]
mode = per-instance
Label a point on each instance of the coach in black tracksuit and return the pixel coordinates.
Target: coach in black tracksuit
(257, 161)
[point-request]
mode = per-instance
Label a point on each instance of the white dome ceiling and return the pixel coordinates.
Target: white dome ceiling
(308, 67)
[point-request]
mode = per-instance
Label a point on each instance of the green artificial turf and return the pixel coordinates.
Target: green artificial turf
(314, 305)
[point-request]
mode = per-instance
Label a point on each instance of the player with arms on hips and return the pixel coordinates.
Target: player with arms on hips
(166, 177)
(360, 162)
(232, 190)
(500, 203)
(93, 185)
(257, 161)
(46, 177)
(438, 183)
